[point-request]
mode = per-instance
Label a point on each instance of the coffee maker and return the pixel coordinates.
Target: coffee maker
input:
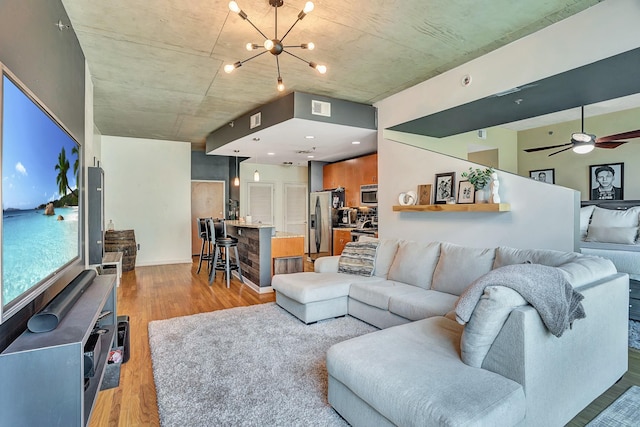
(348, 216)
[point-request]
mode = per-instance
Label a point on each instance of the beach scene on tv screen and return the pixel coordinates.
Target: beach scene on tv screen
(40, 167)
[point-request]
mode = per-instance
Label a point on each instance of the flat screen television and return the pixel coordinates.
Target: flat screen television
(41, 215)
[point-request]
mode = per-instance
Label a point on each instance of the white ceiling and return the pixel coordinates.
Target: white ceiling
(157, 67)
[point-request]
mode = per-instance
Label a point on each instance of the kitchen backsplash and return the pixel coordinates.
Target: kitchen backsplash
(365, 214)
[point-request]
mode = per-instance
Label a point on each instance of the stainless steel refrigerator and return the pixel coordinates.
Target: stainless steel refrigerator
(323, 217)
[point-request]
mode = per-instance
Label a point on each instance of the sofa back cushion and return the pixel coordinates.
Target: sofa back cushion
(387, 249)
(548, 257)
(414, 263)
(459, 266)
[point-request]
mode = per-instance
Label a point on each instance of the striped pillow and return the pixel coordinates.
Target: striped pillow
(358, 258)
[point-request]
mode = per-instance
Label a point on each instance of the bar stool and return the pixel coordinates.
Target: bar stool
(207, 241)
(222, 254)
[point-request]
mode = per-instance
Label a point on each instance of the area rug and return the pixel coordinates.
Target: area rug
(246, 366)
(621, 413)
(634, 334)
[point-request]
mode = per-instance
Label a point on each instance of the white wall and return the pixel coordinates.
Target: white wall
(148, 189)
(278, 175)
(542, 215)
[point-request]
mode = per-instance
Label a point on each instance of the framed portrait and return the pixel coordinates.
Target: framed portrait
(444, 187)
(466, 192)
(424, 194)
(606, 182)
(544, 175)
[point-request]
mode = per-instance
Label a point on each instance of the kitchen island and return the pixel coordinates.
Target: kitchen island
(258, 246)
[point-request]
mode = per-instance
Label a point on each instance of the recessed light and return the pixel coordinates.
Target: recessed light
(309, 136)
(355, 142)
(271, 154)
(256, 139)
(310, 157)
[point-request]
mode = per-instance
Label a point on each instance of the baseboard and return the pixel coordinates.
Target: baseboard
(253, 286)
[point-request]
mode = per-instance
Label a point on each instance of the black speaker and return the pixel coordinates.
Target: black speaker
(123, 337)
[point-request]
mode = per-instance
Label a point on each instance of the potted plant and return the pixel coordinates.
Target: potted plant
(479, 178)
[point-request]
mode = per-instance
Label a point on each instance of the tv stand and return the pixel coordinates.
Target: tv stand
(44, 372)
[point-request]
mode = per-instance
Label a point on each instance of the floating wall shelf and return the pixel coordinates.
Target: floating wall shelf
(463, 207)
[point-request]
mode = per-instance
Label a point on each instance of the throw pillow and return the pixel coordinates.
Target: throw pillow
(386, 252)
(613, 218)
(358, 258)
(623, 235)
(485, 323)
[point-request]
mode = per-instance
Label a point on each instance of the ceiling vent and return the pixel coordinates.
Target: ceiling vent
(255, 120)
(320, 108)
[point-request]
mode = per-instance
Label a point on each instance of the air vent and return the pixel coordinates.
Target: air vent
(320, 108)
(255, 120)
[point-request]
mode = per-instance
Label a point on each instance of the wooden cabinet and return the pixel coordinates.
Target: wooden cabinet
(340, 238)
(287, 251)
(351, 174)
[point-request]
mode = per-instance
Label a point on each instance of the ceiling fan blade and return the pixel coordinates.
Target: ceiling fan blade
(560, 151)
(624, 135)
(532, 150)
(612, 144)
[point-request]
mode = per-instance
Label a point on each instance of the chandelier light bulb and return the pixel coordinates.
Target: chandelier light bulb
(321, 69)
(229, 68)
(249, 46)
(280, 84)
(233, 7)
(268, 44)
(308, 7)
(309, 46)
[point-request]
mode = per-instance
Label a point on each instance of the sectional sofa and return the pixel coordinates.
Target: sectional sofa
(430, 366)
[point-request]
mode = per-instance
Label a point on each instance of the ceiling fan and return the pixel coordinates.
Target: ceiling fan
(582, 142)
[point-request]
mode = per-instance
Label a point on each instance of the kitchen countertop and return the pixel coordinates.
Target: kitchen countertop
(245, 225)
(286, 234)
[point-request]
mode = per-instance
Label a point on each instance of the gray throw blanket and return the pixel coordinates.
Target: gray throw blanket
(545, 288)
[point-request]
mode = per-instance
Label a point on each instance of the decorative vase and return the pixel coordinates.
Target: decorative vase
(481, 196)
(494, 186)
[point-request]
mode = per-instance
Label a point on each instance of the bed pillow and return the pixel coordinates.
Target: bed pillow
(358, 258)
(623, 235)
(585, 218)
(613, 218)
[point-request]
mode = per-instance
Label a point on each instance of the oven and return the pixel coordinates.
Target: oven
(369, 195)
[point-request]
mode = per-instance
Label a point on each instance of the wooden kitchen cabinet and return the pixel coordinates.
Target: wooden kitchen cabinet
(368, 169)
(351, 174)
(333, 175)
(340, 239)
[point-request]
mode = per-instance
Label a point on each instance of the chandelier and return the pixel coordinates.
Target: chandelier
(275, 45)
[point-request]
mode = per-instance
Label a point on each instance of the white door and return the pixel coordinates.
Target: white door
(260, 202)
(295, 209)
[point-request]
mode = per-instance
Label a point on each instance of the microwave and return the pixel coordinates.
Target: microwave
(369, 195)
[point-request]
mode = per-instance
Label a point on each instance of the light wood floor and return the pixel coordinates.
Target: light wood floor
(162, 292)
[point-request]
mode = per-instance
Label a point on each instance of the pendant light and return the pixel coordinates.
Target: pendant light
(256, 176)
(236, 180)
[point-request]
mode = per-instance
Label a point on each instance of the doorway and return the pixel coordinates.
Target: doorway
(207, 200)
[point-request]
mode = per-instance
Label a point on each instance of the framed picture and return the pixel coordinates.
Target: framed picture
(606, 182)
(424, 194)
(445, 185)
(466, 192)
(544, 175)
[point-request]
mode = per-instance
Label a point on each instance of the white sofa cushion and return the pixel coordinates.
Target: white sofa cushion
(622, 235)
(585, 218)
(509, 256)
(422, 303)
(414, 263)
(378, 293)
(358, 258)
(485, 323)
(614, 218)
(309, 287)
(459, 266)
(587, 269)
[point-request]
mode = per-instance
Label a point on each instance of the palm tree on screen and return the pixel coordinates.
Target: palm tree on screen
(63, 167)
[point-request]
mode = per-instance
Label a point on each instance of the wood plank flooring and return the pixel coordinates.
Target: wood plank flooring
(162, 292)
